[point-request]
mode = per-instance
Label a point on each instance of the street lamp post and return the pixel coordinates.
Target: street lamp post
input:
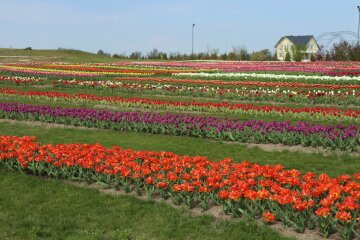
(358, 7)
(192, 41)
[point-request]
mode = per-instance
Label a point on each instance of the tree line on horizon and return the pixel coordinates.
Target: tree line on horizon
(341, 51)
(236, 54)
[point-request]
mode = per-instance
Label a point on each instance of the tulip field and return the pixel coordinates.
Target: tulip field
(277, 143)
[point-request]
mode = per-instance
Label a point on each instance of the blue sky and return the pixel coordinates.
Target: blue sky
(124, 26)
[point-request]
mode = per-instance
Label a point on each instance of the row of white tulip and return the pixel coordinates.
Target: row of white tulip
(158, 86)
(21, 79)
(267, 76)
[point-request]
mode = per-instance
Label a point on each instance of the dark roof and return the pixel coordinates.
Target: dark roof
(299, 40)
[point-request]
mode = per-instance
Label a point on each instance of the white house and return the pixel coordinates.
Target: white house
(286, 44)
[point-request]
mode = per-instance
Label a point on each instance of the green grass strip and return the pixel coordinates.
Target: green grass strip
(333, 165)
(36, 208)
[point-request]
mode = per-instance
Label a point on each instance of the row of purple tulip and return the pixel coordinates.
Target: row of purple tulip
(227, 129)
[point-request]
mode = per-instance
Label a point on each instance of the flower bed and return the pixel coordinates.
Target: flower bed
(147, 70)
(338, 71)
(314, 96)
(18, 80)
(244, 83)
(306, 113)
(286, 77)
(86, 70)
(272, 193)
(257, 66)
(36, 71)
(301, 133)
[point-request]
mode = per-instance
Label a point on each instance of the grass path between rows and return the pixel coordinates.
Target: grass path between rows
(36, 208)
(332, 164)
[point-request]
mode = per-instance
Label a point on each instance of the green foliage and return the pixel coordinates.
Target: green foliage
(288, 56)
(263, 55)
(298, 52)
(341, 51)
(135, 55)
(214, 54)
(241, 53)
(344, 51)
(102, 53)
(120, 55)
(312, 58)
(355, 53)
(156, 54)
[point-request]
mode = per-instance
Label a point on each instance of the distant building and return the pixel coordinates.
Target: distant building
(286, 44)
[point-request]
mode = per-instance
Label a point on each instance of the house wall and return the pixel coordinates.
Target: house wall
(312, 47)
(284, 46)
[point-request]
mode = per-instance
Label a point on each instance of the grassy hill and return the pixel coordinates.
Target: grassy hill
(72, 56)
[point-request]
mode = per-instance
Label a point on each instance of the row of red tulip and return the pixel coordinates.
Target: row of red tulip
(306, 113)
(298, 200)
(254, 94)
